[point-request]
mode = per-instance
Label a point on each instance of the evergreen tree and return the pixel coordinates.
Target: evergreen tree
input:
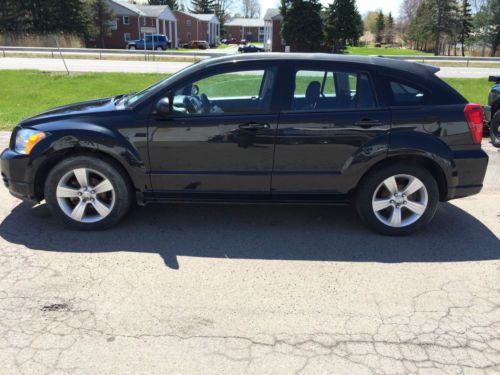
(101, 16)
(442, 11)
(302, 26)
(13, 17)
(379, 27)
(389, 29)
(343, 24)
(172, 4)
(202, 6)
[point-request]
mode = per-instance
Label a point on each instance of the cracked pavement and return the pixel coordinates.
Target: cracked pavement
(229, 289)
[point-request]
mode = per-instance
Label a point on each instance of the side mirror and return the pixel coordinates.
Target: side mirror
(162, 108)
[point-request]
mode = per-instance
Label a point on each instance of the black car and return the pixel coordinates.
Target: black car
(387, 135)
(492, 111)
(250, 48)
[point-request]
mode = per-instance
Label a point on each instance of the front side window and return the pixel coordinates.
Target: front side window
(239, 92)
(404, 94)
(318, 90)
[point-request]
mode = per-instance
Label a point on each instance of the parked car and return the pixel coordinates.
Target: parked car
(199, 44)
(230, 41)
(250, 48)
(492, 111)
(387, 135)
(157, 42)
(242, 42)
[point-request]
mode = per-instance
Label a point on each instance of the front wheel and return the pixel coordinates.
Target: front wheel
(132, 48)
(87, 193)
(397, 199)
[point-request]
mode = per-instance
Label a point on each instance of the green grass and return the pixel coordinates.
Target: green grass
(384, 51)
(25, 93)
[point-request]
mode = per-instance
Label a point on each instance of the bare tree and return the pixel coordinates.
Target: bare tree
(408, 9)
(251, 8)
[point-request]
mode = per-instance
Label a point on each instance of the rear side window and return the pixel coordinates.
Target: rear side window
(319, 90)
(403, 94)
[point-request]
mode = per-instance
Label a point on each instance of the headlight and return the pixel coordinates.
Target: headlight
(26, 139)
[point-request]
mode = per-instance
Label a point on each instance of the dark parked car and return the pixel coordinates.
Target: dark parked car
(157, 42)
(387, 135)
(492, 111)
(250, 48)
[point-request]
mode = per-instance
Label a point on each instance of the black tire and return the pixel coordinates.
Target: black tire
(495, 129)
(122, 191)
(369, 184)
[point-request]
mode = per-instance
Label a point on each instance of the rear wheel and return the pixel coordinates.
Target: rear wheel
(87, 193)
(495, 129)
(397, 199)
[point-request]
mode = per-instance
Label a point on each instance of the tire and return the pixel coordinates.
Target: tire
(415, 210)
(132, 48)
(159, 48)
(73, 199)
(495, 129)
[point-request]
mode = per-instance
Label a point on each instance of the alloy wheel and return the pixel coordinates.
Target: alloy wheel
(85, 195)
(400, 200)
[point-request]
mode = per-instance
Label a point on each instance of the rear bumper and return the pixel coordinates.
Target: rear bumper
(470, 168)
(15, 168)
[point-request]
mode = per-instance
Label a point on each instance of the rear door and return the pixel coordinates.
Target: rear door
(331, 120)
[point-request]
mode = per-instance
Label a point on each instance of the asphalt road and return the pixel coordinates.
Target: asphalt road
(194, 289)
(85, 65)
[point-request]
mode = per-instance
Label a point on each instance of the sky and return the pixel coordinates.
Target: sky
(363, 5)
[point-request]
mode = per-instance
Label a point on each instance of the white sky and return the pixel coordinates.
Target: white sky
(363, 5)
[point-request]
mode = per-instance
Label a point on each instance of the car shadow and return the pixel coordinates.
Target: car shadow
(311, 233)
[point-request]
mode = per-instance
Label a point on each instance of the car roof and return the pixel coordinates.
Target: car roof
(375, 61)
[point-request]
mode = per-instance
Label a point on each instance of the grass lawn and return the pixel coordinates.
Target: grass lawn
(25, 93)
(384, 51)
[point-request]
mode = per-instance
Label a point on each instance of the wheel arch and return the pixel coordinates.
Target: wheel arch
(415, 160)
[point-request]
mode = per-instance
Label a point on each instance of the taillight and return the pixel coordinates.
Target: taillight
(474, 116)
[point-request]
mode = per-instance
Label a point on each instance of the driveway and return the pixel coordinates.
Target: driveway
(251, 289)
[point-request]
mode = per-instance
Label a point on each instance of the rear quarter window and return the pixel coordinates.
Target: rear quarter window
(404, 94)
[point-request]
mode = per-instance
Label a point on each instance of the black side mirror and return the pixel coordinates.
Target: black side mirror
(162, 108)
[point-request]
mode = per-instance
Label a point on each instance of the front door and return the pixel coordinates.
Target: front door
(219, 138)
(327, 126)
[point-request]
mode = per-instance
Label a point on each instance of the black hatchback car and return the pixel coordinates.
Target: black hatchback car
(387, 135)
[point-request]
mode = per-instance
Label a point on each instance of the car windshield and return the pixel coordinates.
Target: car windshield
(135, 97)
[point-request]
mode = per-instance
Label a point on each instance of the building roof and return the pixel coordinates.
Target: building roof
(206, 17)
(272, 14)
(245, 22)
(155, 11)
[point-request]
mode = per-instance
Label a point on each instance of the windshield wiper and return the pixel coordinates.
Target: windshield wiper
(122, 98)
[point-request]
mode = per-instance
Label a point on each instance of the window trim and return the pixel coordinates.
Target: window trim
(126, 18)
(332, 68)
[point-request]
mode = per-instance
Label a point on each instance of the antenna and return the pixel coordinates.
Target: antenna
(60, 53)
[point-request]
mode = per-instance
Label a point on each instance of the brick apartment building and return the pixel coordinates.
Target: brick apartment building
(251, 29)
(133, 21)
(197, 27)
(272, 31)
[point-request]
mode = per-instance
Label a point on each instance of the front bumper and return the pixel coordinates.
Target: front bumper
(470, 169)
(15, 176)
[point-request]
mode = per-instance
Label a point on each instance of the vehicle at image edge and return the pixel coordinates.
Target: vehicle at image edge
(199, 44)
(157, 42)
(250, 48)
(492, 111)
(387, 135)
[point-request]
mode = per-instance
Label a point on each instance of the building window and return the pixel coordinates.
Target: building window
(144, 21)
(126, 37)
(126, 20)
(188, 36)
(188, 23)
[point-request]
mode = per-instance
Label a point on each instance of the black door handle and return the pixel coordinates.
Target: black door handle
(367, 123)
(253, 126)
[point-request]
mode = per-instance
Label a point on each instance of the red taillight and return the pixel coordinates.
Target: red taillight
(474, 116)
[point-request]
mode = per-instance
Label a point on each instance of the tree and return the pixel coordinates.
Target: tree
(101, 16)
(370, 21)
(251, 8)
(465, 24)
(379, 27)
(343, 24)
(222, 9)
(203, 6)
(442, 11)
(389, 29)
(487, 25)
(172, 4)
(302, 26)
(13, 17)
